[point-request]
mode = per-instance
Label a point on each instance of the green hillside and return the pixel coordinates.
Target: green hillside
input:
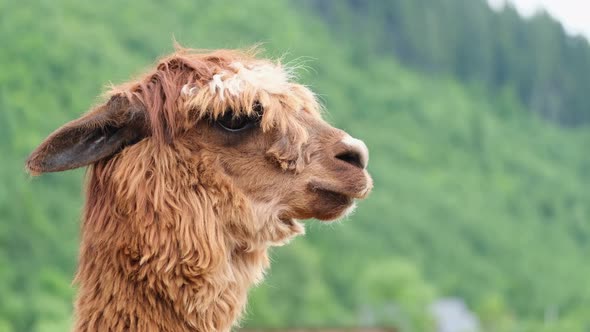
(475, 197)
(544, 66)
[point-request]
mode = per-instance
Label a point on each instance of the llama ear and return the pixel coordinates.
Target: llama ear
(99, 134)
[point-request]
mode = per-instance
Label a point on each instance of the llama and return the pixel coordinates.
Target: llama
(195, 170)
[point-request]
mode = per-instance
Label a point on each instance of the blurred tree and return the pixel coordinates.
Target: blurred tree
(400, 294)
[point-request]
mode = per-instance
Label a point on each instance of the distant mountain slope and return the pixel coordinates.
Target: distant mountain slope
(549, 70)
(474, 197)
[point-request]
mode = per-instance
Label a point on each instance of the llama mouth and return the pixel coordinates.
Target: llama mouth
(336, 194)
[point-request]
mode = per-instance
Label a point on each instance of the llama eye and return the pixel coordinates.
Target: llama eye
(229, 122)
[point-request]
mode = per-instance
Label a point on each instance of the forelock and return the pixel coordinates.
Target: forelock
(243, 84)
(190, 85)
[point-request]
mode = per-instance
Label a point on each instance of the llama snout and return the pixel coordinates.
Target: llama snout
(355, 153)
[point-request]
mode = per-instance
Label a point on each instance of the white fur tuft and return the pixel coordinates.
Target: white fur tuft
(189, 90)
(267, 76)
(217, 84)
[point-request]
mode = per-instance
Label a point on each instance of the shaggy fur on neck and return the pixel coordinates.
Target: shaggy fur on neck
(164, 247)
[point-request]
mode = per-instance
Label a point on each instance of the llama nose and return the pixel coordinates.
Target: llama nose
(356, 153)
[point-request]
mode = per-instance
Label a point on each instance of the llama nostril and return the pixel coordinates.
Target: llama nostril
(357, 153)
(351, 157)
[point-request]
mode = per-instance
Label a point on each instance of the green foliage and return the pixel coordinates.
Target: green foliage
(474, 196)
(397, 285)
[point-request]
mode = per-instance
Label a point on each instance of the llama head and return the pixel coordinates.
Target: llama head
(226, 129)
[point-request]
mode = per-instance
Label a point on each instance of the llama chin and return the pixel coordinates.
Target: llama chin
(350, 210)
(196, 169)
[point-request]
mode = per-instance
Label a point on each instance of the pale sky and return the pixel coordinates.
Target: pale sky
(574, 15)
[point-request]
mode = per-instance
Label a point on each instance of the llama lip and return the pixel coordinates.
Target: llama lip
(345, 196)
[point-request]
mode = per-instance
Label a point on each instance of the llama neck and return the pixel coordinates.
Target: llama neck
(149, 263)
(119, 292)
